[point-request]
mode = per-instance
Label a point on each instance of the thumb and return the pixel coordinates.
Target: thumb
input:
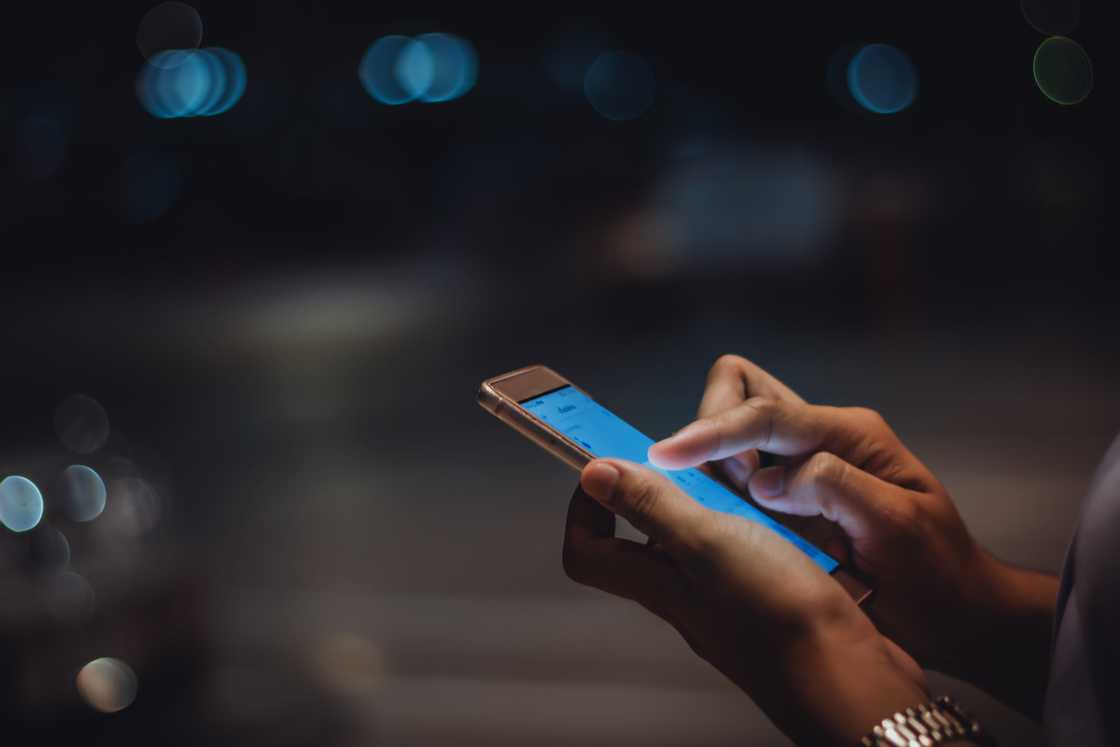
(649, 501)
(860, 503)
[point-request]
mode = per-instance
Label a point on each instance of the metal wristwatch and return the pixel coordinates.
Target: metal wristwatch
(937, 722)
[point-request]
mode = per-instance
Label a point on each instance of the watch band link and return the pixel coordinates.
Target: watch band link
(937, 722)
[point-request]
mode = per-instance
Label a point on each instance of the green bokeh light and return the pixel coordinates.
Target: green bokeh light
(1063, 71)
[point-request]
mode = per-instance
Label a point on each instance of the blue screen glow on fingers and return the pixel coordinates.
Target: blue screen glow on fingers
(603, 434)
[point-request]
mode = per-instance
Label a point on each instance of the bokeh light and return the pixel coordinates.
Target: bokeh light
(50, 550)
(170, 25)
(108, 685)
(882, 79)
(1063, 70)
(174, 84)
(191, 83)
(415, 69)
(378, 70)
(454, 67)
(149, 186)
(81, 423)
(233, 79)
(431, 68)
(81, 492)
(620, 86)
(21, 503)
(1052, 16)
(40, 147)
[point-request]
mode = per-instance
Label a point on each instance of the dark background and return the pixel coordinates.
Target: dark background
(343, 549)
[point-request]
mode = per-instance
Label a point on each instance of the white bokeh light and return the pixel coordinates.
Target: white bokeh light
(107, 685)
(82, 492)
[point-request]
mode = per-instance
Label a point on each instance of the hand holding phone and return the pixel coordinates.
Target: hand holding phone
(755, 601)
(563, 419)
(745, 599)
(938, 593)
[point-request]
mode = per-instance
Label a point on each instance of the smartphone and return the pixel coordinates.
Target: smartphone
(565, 421)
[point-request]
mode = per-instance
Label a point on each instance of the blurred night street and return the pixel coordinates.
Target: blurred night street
(283, 308)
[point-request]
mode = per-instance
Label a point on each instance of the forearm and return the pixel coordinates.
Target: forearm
(1006, 646)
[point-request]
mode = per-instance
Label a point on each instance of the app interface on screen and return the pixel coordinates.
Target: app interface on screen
(604, 434)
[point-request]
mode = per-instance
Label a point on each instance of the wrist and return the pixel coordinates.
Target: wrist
(846, 682)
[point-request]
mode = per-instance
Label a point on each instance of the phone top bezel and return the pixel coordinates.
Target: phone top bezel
(526, 383)
(503, 396)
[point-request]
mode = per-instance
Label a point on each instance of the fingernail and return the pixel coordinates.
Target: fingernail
(599, 479)
(770, 482)
(686, 440)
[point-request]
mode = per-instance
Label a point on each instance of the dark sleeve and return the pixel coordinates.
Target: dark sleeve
(1097, 581)
(1086, 655)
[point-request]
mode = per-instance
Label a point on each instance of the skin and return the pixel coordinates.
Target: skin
(766, 616)
(745, 600)
(939, 594)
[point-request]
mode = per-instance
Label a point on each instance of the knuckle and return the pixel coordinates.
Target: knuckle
(825, 468)
(904, 518)
(727, 363)
(912, 516)
(761, 403)
(763, 407)
(765, 410)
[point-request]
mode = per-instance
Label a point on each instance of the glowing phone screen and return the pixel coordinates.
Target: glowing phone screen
(604, 434)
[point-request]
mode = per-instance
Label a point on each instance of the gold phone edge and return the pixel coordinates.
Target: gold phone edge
(509, 411)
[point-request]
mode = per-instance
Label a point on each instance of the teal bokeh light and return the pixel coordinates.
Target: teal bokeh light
(191, 83)
(454, 67)
(177, 84)
(21, 503)
(415, 68)
(882, 79)
(431, 68)
(234, 80)
(378, 71)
